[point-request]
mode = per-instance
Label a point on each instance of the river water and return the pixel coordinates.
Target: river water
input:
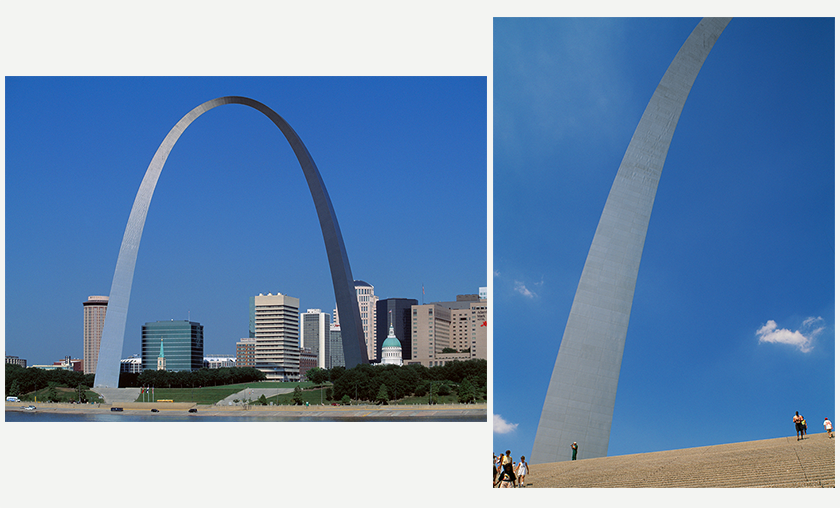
(37, 416)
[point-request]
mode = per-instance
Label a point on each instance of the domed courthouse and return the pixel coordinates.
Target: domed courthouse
(392, 349)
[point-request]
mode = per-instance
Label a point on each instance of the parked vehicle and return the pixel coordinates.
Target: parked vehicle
(12, 399)
(155, 410)
(29, 408)
(193, 410)
(116, 409)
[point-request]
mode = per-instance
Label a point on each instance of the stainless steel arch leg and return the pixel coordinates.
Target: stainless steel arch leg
(113, 332)
(580, 399)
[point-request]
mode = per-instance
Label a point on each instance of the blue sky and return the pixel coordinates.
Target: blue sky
(732, 328)
(445, 39)
(404, 160)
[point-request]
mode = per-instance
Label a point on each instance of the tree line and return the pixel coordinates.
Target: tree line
(20, 380)
(375, 383)
(379, 383)
(193, 379)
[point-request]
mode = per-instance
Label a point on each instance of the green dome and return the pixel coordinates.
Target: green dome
(392, 342)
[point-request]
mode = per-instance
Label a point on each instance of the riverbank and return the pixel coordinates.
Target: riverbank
(409, 412)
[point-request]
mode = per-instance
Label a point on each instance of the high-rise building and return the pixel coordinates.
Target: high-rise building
(449, 331)
(335, 349)
(430, 332)
(176, 345)
(314, 333)
(398, 311)
(468, 328)
(274, 326)
(308, 360)
(94, 308)
(245, 351)
(478, 339)
(367, 311)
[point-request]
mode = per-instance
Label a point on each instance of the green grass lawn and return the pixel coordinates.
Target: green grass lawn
(314, 398)
(311, 396)
(213, 394)
(63, 394)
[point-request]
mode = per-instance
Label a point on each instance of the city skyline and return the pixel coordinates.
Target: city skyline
(231, 216)
(734, 307)
(300, 39)
(127, 356)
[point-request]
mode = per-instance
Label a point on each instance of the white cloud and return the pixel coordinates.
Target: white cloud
(520, 288)
(812, 322)
(500, 426)
(802, 338)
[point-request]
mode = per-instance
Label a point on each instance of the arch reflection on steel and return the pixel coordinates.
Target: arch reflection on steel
(113, 331)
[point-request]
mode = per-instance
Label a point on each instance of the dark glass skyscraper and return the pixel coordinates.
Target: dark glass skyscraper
(400, 309)
(182, 342)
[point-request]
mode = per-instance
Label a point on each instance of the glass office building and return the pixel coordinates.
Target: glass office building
(182, 343)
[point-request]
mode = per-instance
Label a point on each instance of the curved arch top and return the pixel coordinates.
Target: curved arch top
(113, 331)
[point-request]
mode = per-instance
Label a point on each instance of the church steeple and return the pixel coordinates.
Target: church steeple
(161, 363)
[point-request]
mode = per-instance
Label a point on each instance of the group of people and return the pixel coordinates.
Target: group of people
(508, 474)
(802, 426)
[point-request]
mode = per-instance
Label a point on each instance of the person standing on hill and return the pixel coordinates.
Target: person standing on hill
(522, 470)
(508, 476)
(827, 425)
(797, 420)
(508, 481)
(574, 450)
(499, 471)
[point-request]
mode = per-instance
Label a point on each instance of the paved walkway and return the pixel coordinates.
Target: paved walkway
(781, 462)
(442, 412)
(365, 411)
(118, 395)
(123, 395)
(253, 394)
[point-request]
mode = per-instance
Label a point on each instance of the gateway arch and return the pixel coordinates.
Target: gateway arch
(580, 399)
(113, 331)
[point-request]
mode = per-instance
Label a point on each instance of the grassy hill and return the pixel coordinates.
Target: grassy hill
(213, 394)
(60, 394)
(314, 397)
